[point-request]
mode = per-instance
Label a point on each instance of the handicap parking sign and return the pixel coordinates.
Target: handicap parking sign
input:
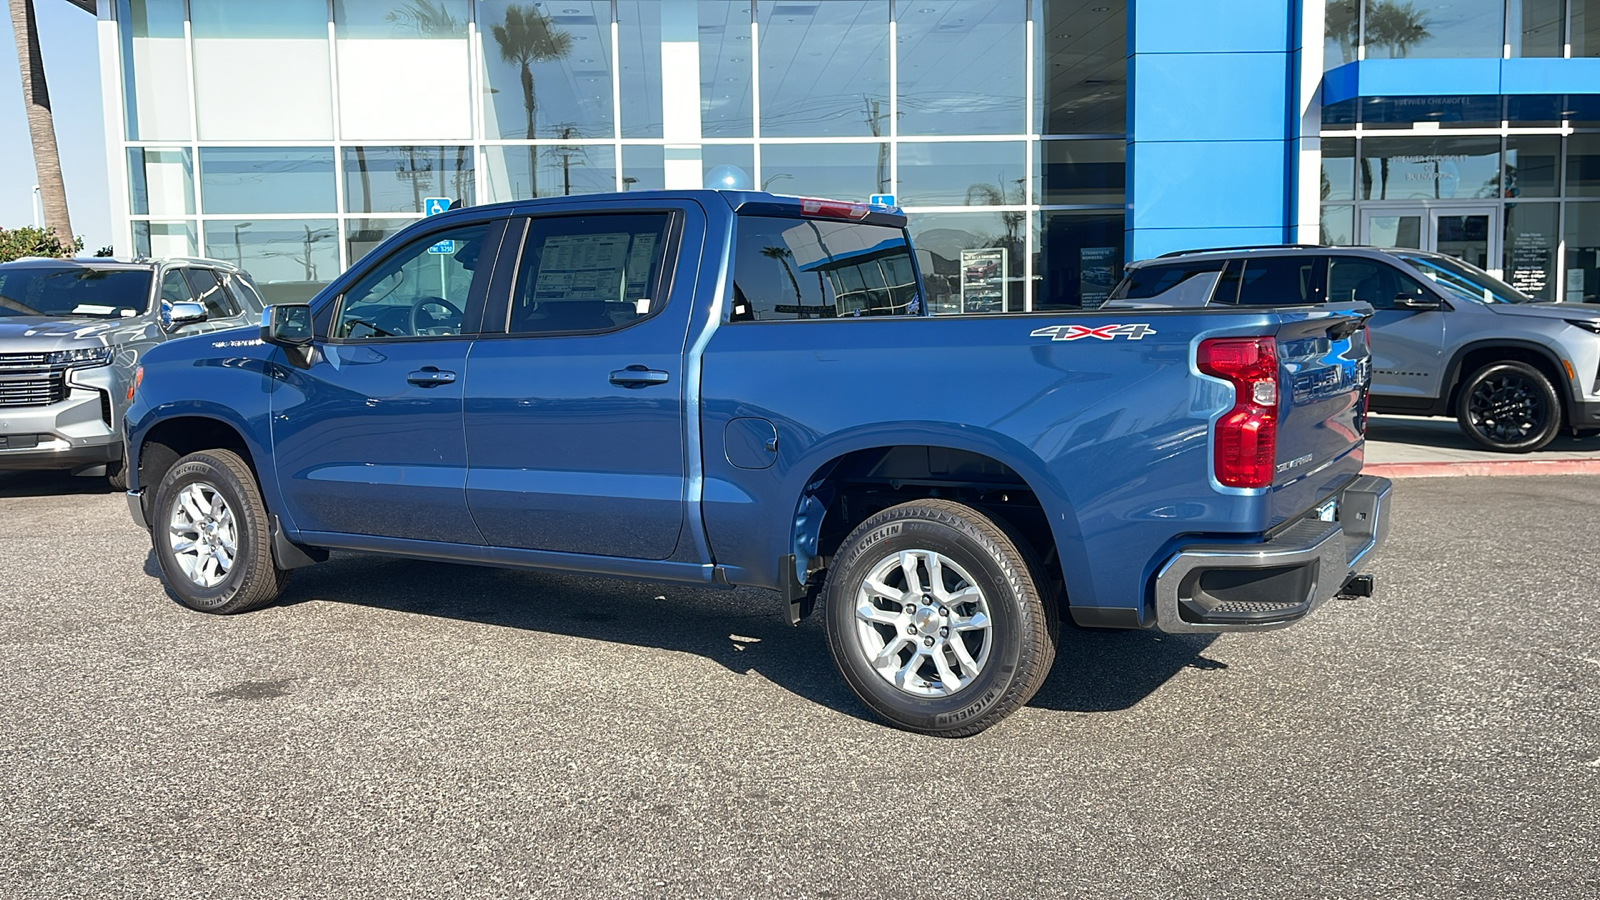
(432, 206)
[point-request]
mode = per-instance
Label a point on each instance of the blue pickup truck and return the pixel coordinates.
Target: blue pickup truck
(734, 388)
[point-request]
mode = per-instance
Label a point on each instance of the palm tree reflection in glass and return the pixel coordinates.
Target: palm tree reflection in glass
(527, 37)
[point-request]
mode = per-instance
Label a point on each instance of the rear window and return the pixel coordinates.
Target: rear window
(1271, 281)
(789, 269)
(1149, 282)
(73, 292)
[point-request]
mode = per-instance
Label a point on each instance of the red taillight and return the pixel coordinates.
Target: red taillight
(1247, 434)
(834, 209)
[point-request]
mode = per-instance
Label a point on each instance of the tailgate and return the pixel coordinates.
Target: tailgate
(1324, 371)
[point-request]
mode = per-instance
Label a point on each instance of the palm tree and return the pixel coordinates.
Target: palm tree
(527, 37)
(981, 194)
(425, 18)
(1397, 26)
(782, 254)
(41, 124)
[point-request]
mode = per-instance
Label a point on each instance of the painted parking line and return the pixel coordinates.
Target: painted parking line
(1485, 467)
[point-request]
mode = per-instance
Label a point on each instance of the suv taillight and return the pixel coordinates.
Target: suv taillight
(1246, 435)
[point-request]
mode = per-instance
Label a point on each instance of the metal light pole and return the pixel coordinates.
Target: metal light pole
(238, 253)
(38, 208)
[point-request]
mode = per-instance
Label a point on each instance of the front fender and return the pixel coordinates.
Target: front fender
(233, 388)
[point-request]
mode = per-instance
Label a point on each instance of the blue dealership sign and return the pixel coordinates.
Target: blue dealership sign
(432, 206)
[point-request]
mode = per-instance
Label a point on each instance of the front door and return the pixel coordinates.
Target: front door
(367, 437)
(1469, 233)
(575, 415)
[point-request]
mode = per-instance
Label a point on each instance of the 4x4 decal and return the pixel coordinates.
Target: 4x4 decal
(1132, 332)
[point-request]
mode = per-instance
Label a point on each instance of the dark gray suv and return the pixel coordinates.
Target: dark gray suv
(71, 335)
(1448, 339)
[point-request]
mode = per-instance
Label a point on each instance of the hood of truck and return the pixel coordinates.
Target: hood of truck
(38, 334)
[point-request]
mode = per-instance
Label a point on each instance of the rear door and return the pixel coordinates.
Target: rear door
(575, 411)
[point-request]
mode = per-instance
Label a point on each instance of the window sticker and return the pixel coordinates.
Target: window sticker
(582, 266)
(639, 260)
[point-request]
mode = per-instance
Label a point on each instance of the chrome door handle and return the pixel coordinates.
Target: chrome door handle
(428, 376)
(638, 377)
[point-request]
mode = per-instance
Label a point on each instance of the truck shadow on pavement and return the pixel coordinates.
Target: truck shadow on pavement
(49, 483)
(742, 629)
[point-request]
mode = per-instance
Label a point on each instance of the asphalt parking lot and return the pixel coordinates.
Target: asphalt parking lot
(405, 729)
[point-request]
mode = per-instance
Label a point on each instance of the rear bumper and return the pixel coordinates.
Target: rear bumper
(1258, 587)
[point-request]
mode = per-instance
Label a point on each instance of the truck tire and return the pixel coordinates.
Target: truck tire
(117, 474)
(935, 618)
(1510, 407)
(209, 527)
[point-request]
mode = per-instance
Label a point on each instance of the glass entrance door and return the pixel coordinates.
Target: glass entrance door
(1469, 233)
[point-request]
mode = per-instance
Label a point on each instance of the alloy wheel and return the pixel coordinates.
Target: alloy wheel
(922, 624)
(204, 534)
(1506, 409)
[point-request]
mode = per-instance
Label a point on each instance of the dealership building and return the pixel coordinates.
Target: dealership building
(1053, 140)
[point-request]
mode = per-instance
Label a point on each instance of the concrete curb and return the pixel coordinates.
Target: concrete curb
(1492, 467)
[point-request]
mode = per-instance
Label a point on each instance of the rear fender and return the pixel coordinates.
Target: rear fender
(810, 482)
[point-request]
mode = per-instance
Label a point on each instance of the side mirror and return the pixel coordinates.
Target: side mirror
(1414, 303)
(177, 315)
(287, 324)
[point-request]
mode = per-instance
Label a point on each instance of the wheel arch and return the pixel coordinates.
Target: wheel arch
(848, 479)
(164, 442)
(1471, 357)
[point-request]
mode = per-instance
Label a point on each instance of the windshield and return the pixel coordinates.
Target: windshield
(1463, 280)
(73, 292)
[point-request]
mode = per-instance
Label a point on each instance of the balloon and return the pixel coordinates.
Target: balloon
(728, 178)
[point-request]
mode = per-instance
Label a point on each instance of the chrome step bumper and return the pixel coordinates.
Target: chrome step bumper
(1272, 584)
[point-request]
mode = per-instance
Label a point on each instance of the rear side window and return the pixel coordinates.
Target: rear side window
(1271, 281)
(243, 291)
(589, 273)
(208, 292)
(789, 269)
(1149, 282)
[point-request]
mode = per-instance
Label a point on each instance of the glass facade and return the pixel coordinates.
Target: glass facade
(1528, 203)
(1441, 29)
(295, 136)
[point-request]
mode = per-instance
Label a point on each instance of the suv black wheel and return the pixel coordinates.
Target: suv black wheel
(1510, 407)
(209, 527)
(935, 618)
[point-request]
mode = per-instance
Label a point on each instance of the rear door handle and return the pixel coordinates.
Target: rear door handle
(428, 376)
(638, 377)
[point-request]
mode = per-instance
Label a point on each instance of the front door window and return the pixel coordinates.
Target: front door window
(418, 291)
